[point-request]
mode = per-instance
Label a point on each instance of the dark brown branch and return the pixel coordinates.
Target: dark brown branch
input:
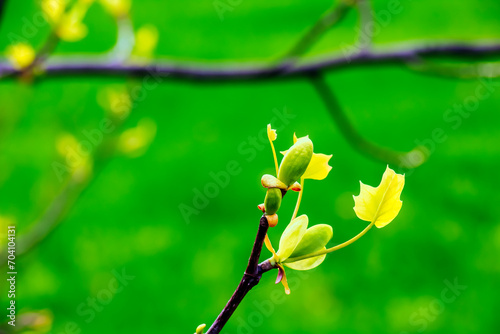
(251, 278)
(257, 247)
(64, 66)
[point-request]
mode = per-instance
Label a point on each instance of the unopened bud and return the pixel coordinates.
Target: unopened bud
(295, 161)
(272, 202)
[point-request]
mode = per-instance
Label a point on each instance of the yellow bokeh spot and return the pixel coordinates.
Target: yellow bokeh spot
(79, 162)
(116, 7)
(66, 142)
(146, 39)
(134, 142)
(21, 55)
(71, 27)
(115, 100)
(54, 9)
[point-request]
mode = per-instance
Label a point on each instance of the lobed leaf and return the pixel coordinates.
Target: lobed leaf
(382, 204)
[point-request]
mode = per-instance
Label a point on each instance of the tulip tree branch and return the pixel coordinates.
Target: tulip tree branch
(251, 278)
(458, 71)
(63, 202)
(332, 16)
(3, 4)
(354, 138)
(99, 66)
(365, 39)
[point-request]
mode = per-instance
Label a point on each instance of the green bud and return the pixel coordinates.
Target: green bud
(272, 202)
(295, 161)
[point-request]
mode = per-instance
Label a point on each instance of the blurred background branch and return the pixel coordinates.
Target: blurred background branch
(3, 4)
(395, 89)
(455, 70)
(81, 176)
(399, 54)
(406, 160)
(332, 16)
(120, 63)
(366, 23)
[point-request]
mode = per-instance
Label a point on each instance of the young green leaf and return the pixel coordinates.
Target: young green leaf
(318, 168)
(292, 236)
(307, 264)
(315, 239)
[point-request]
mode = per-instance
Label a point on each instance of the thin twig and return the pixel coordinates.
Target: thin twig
(88, 66)
(365, 39)
(3, 5)
(66, 199)
(407, 160)
(251, 278)
(332, 16)
(456, 71)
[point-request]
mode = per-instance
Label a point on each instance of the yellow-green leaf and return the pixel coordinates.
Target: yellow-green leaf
(307, 264)
(315, 238)
(318, 168)
(380, 205)
(271, 133)
(292, 236)
(200, 329)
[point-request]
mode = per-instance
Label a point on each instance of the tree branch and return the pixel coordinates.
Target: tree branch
(75, 186)
(3, 4)
(251, 278)
(406, 160)
(365, 39)
(400, 53)
(332, 16)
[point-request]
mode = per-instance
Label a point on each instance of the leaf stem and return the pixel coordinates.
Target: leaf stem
(275, 157)
(332, 249)
(299, 199)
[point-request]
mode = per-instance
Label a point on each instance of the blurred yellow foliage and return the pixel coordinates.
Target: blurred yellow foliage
(20, 55)
(70, 27)
(116, 8)
(54, 9)
(135, 141)
(146, 39)
(116, 100)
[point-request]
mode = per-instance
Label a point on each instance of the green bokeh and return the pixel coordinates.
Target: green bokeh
(185, 271)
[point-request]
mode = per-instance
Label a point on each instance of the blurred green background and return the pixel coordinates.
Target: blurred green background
(128, 218)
